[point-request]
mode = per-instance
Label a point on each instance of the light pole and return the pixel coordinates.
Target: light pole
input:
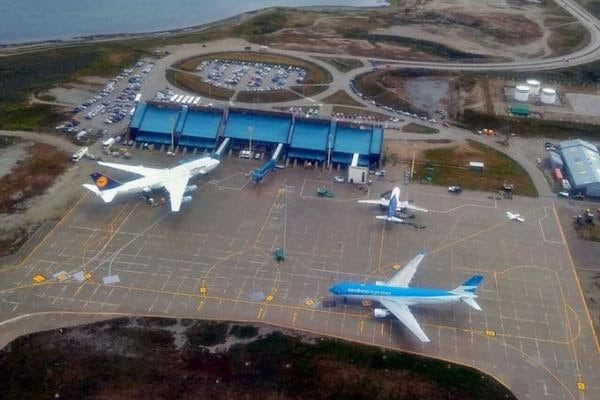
(250, 130)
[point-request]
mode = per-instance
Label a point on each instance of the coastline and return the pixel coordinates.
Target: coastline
(51, 43)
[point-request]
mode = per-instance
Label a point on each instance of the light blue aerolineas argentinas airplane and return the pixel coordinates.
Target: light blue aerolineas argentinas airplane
(393, 206)
(396, 296)
(174, 180)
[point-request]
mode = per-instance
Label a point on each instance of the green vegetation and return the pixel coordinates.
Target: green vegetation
(343, 98)
(373, 85)
(315, 74)
(309, 90)
(38, 117)
(125, 362)
(207, 333)
(449, 166)
(192, 83)
(342, 64)
(588, 231)
(418, 128)
(567, 38)
(262, 24)
(243, 331)
(528, 127)
(273, 96)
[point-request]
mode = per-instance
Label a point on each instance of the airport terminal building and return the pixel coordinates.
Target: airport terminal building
(319, 140)
(582, 165)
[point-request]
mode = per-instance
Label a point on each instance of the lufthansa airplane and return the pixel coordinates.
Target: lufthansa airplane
(174, 180)
(393, 206)
(396, 296)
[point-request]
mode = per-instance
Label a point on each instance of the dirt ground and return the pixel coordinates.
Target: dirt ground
(505, 29)
(28, 199)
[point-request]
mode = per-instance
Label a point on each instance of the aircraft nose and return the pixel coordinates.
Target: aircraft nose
(335, 289)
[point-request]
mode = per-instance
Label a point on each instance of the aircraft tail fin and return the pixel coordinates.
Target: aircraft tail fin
(470, 285)
(390, 219)
(104, 182)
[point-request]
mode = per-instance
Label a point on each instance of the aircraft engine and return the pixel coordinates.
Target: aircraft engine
(380, 313)
(191, 188)
(186, 199)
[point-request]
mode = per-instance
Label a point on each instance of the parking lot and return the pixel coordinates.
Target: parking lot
(250, 76)
(108, 110)
(215, 260)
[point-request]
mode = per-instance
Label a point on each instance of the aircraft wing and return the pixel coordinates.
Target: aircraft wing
(381, 202)
(408, 206)
(136, 169)
(405, 275)
(176, 188)
(402, 312)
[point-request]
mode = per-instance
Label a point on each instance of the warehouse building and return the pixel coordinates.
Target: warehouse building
(319, 140)
(582, 165)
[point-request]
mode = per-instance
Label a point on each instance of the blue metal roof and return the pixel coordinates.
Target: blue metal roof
(582, 162)
(350, 139)
(376, 140)
(138, 115)
(265, 128)
(159, 120)
(310, 135)
(204, 124)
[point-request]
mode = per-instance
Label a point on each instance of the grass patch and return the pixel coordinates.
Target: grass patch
(207, 333)
(418, 128)
(588, 231)
(192, 83)
(309, 90)
(342, 64)
(450, 167)
(38, 117)
(315, 74)
(343, 98)
(275, 96)
(567, 38)
(358, 111)
(528, 127)
(243, 331)
(31, 176)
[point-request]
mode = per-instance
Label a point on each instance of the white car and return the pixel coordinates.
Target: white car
(454, 189)
(339, 179)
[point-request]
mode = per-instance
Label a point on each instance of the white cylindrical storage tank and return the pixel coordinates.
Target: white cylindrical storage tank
(521, 93)
(534, 87)
(548, 96)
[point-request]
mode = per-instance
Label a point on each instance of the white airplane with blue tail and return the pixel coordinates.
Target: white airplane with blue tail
(396, 295)
(393, 206)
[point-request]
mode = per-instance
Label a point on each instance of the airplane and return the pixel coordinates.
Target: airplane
(174, 180)
(396, 295)
(394, 205)
(514, 217)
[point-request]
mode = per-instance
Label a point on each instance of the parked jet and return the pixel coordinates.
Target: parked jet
(396, 295)
(514, 217)
(174, 180)
(394, 205)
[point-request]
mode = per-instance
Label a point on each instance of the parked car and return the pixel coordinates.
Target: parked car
(339, 179)
(455, 189)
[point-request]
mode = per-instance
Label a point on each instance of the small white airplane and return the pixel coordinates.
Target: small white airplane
(514, 217)
(393, 205)
(396, 296)
(174, 180)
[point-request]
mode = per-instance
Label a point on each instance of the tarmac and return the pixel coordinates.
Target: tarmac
(215, 260)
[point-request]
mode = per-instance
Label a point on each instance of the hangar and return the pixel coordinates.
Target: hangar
(582, 165)
(310, 139)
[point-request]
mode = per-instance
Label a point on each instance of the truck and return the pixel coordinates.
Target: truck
(137, 98)
(108, 142)
(79, 154)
